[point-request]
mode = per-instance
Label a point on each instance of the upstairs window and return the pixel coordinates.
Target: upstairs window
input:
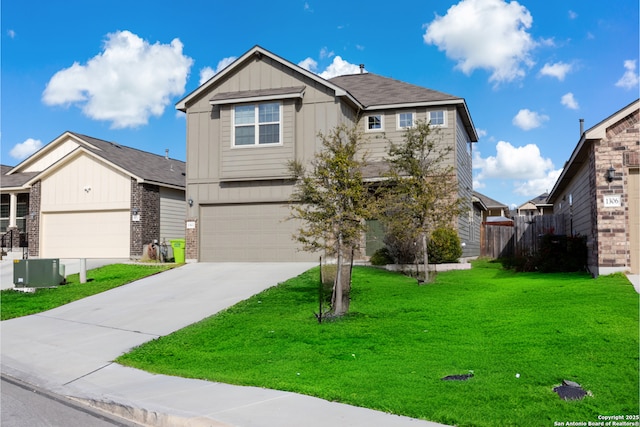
(405, 120)
(374, 123)
(257, 124)
(437, 118)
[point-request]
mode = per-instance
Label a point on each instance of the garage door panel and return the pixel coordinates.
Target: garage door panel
(86, 234)
(248, 232)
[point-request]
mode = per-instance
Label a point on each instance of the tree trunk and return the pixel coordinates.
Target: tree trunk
(425, 251)
(336, 300)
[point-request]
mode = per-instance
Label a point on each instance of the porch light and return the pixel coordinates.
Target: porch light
(190, 202)
(611, 173)
(135, 211)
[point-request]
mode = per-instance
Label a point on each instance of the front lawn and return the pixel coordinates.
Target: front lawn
(400, 339)
(17, 304)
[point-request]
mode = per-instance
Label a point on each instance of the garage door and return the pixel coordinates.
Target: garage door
(85, 235)
(248, 232)
(634, 219)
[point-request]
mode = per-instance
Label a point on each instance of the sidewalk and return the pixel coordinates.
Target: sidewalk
(69, 350)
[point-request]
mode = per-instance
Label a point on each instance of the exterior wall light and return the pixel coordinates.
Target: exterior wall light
(135, 211)
(611, 174)
(190, 201)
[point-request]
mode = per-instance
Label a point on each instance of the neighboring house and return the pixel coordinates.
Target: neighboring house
(493, 207)
(250, 119)
(536, 206)
(598, 192)
(82, 197)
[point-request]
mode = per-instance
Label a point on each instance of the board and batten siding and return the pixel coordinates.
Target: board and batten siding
(49, 157)
(173, 211)
(258, 161)
(85, 184)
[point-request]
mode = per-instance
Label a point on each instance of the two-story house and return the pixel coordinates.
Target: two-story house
(247, 121)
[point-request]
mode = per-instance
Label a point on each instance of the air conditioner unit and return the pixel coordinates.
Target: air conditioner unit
(38, 273)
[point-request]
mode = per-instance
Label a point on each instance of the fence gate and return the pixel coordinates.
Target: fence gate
(520, 237)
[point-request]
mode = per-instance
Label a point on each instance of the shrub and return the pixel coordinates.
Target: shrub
(381, 257)
(402, 246)
(444, 246)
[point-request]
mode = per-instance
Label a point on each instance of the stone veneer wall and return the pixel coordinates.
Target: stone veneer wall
(618, 150)
(33, 219)
(145, 198)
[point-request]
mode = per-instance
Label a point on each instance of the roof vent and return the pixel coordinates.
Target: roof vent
(361, 68)
(166, 153)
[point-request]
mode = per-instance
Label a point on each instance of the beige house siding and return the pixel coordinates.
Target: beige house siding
(468, 224)
(85, 184)
(47, 157)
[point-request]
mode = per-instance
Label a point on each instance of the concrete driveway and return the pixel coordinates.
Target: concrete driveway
(70, 351)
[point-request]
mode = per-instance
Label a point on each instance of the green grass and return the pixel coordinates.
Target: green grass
(17, 304)
(400, 339)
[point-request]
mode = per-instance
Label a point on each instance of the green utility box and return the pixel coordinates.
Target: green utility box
(178, 246)
(38, 273)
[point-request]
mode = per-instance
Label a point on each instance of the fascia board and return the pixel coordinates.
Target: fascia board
(258, 98)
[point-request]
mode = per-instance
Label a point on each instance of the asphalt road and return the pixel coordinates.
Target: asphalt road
(23, 405)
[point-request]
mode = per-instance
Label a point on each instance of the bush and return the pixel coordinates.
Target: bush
(444, 246)
(381, 257)
(562, 254)
(402, 246)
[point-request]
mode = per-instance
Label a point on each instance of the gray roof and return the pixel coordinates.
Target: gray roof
(148, 166)
(371, 90)
(15, 180)
(488, 201)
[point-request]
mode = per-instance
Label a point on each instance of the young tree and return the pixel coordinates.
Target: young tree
(421, 194)
(332, 201)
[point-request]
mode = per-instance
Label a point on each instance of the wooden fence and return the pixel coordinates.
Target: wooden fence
(519, 238)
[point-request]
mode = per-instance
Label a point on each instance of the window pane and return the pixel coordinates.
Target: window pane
(245, 135)
(23, 204)
(269, 113)
(375, 122)
(269, 134)
(406, 120)
(244, 114)
(436, 117)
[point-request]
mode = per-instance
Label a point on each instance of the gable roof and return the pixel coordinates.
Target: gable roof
(258, 52)
(489, 202)
(579, 155)
(142, 165)
(367, 91)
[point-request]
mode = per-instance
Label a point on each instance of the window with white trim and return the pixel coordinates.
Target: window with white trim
(437, 118)
(257, 124)
(406, 120)
(375, 123)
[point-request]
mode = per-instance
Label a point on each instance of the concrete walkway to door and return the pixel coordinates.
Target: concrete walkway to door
(70, 351)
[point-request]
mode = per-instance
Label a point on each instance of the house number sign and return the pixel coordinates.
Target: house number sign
(613, 201)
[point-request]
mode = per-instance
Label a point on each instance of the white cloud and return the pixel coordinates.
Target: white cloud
(339, 67)
(326, 53)
(11, 34)
(532, 174)
(309, 64)
(527, 119)
(207, 72)
(485, 34)
(629, 79)
(128, 82)
(537, 186)
(569, 101)
(25, 149)
(572, 14)
(558, 70)
(481, 132)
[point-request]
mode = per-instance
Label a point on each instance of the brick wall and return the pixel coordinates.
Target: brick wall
(619, 149)
(191, 240)
(146, 199)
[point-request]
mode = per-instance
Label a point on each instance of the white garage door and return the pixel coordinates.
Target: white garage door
(248, 232)
(85, 235)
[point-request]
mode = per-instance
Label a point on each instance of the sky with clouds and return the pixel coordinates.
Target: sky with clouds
(528, 70)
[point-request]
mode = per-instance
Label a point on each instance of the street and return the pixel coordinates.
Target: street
(22, 405)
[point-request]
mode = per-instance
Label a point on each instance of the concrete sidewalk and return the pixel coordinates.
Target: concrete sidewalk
(69, 350)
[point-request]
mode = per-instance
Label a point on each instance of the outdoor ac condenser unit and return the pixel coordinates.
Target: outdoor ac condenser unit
(38, 273)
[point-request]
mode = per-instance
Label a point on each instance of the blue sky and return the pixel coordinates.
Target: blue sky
(528, 70)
